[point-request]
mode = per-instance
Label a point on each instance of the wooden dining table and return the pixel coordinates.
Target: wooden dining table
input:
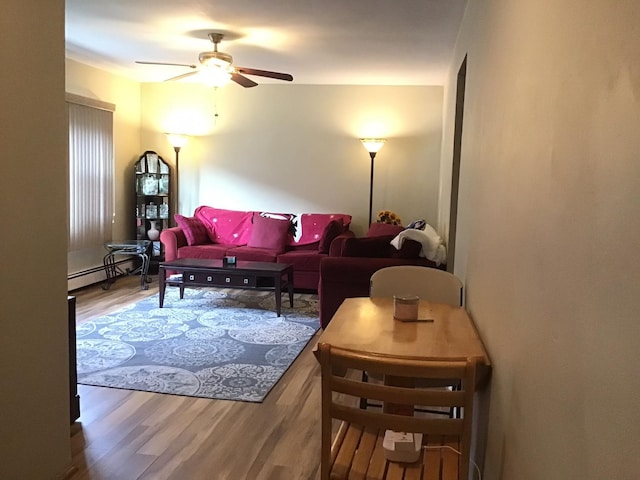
(442, 332)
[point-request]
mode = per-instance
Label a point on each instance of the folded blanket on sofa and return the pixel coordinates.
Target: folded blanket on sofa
(432, 247)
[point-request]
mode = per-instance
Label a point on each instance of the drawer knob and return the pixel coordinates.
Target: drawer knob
(192, 277)
(209, 278)
(227, 279)
(246, 281)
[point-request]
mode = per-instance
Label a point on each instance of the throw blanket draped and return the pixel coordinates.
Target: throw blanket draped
(432, 247)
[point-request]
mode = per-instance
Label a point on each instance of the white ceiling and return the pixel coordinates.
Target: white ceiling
(335, 42)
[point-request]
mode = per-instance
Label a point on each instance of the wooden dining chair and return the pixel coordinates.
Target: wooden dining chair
(427, 283)
(357, 451)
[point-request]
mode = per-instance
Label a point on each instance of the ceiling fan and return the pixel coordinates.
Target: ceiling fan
(218, 67)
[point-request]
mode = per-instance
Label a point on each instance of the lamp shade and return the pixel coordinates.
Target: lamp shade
(373, 145)
(177, 140)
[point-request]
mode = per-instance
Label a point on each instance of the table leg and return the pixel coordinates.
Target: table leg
(109, 269)
(144, 281)
(161, 284)
(278, 291)
(290, 286)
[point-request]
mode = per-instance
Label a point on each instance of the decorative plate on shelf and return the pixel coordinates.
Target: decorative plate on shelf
(152, 211)
(164, 210)
(164, 184)
(152, 162)
(149, 184)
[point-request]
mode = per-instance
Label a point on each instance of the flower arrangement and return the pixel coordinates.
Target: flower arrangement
(387, 216)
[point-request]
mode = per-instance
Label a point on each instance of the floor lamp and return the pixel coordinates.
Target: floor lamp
(373, 146)
(177, 141)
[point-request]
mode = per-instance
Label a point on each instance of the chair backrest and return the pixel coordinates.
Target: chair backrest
(427, 283)
(335, 362)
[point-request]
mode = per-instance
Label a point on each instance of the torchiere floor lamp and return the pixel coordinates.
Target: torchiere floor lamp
(177, 141)
(373, 146)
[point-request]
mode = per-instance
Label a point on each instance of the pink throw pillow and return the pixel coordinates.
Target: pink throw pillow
(269, 233)
(331, 231)
(193, 229)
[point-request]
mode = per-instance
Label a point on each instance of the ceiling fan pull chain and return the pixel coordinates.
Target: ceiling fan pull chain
(215, 106)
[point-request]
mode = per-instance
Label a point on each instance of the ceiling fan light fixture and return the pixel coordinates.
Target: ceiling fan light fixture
(219, 59)
(216, 76)
(217, 68)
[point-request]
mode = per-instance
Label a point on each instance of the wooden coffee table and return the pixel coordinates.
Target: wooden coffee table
(199, 272)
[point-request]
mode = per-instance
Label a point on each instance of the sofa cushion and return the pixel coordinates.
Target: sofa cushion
(302, 260)
(330, 232)
(253, 254)
(194, 230)
(230, 227)
(311, 226)
(290, 217)
(374, 247)
(378, 229)
(269, 233)
(212, 251)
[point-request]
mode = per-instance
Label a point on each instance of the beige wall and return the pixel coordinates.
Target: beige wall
(548, 231)
(34, 396)
(125, 95)
(296, 148)
(290, 148)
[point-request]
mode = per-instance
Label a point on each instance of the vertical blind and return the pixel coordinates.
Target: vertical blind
(91, 166)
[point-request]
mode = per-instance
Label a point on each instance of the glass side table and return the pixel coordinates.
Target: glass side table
(137, 248)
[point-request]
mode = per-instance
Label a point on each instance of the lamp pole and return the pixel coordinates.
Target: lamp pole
(373, 146)
(177, 141)
(176, 148)
(373, 156)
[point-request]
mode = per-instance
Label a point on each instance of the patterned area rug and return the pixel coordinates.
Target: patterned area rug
(214, 343)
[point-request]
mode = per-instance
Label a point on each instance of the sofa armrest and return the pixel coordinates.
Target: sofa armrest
(172, 239)
(335, 249)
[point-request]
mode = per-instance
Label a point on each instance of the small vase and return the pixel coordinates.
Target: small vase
(153, 233)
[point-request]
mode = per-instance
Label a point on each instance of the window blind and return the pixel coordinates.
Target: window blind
(91, 176)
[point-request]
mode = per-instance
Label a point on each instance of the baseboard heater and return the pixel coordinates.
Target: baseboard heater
(75, 280)
(95, 269)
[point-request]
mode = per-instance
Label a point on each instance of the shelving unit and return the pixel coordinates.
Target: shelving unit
(153, 202)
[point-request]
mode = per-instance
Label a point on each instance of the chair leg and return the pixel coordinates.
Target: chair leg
(363, 401)
(454, 412)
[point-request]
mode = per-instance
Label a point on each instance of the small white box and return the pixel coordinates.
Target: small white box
(402, 446)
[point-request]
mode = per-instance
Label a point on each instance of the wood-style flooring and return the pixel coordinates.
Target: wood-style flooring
(127, 435)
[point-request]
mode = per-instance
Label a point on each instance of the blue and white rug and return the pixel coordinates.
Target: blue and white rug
(214, 343)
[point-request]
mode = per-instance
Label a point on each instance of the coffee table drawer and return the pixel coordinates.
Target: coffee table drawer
(219, 279)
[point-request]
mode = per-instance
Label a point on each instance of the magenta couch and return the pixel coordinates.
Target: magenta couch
(302, 241)
(347, 271)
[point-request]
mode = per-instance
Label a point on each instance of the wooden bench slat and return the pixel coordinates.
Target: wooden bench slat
(342, 464)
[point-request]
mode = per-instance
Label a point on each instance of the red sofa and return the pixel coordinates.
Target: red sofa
(302, 241)
(347, 271)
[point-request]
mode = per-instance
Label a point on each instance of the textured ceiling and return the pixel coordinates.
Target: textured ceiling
(339, 42)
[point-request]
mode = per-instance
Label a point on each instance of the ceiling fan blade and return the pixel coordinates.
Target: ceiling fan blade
(243, 81)
(179, 77)
(169, 64)
(265, 73)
